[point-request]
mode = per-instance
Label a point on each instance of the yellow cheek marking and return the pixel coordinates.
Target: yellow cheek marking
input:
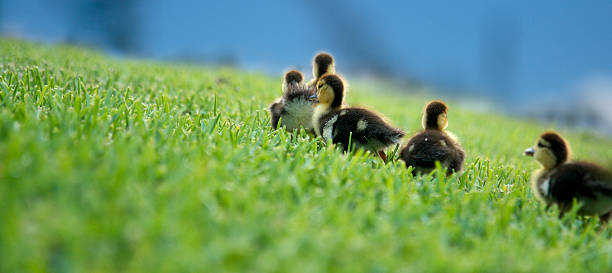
(442, 122)
(443, 143)
(545, 157)
(326, 95)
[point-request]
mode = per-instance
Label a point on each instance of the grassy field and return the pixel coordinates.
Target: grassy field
(118, 165)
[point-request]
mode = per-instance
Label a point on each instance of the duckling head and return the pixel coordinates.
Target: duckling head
(322, 64)
(292, 77)
(551, 150)
(434, 115)
(330, 90)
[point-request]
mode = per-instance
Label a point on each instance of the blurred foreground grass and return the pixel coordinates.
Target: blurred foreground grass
(116, 165)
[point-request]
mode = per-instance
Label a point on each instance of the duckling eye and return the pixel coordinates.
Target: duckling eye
(540, 145)
(320, 85)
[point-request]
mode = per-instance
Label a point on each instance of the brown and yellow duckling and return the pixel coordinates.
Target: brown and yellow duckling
(294, 108)
(433, 143)
(560, 181)
(361, 127)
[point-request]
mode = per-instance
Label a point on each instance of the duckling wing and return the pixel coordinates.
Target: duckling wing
(456, 156)
(365, 128)
(276, 110)
(425, 148)
(580, 180)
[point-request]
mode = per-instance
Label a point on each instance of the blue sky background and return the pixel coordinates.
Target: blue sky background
(509, 51)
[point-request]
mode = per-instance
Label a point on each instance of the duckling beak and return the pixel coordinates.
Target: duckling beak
(313, 98)
(529, 152)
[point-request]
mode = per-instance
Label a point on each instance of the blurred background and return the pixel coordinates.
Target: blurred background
(541, 59)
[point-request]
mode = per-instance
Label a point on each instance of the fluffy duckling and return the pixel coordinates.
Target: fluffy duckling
(433, 143)
(323, 63)
(294, 108)
(560, 181)
(334, 123)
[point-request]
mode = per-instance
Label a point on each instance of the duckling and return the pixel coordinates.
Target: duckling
(294, 108)
(560, 181)
(361, 127)
(433, 143)
(323, 63)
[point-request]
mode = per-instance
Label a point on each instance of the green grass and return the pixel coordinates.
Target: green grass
(119, 165)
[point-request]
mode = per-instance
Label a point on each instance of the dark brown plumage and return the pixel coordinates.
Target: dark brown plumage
(560, 182)
(294, 108)
(364, 128)
(276, 110)
(433, 143)
(433, 110)
(323, 61)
